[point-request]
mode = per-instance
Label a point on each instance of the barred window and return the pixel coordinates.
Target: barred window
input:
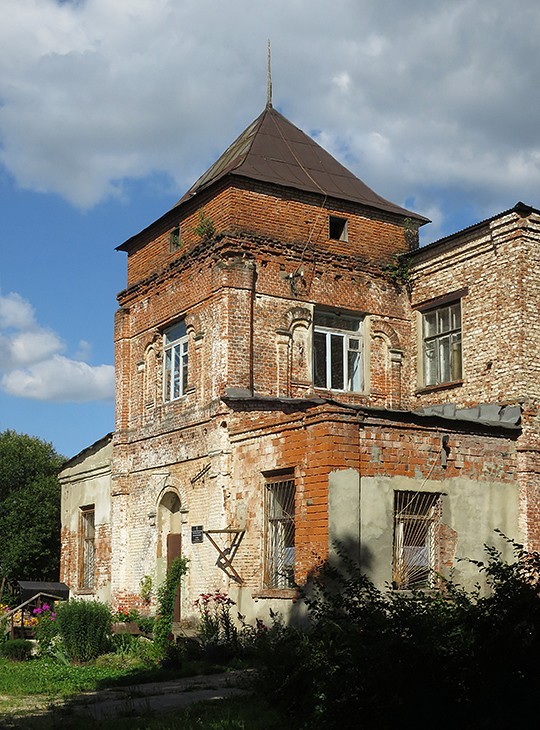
(87, 547)
(280, 493)
(417, 517)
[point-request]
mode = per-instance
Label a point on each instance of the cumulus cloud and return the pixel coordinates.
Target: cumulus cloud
(32, 364)
(61, 379)
(420, 100)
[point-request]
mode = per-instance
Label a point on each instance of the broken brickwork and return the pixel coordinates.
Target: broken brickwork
(266, 242)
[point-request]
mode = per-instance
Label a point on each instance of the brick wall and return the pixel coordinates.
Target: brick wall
(248, 296)
(495, 265)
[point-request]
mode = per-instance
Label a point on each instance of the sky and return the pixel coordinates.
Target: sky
(111, 109)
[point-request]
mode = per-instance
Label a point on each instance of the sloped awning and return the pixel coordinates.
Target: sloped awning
(30, 588)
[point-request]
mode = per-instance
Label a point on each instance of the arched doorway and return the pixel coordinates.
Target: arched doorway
(169, 544)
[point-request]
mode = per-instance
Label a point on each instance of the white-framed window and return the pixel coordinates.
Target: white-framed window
(417, 519)
(280, 495)
(441, 338)
(175, 361)
(87, 547)
(337, 352)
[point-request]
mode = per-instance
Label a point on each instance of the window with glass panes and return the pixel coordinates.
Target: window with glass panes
(442, 344)
(280, 531)
(417, 518)
(337, 352)
(175, 362)
(87, 547)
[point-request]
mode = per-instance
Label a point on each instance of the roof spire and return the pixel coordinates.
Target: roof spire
(269, 81)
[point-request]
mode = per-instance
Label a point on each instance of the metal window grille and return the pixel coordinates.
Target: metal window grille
(88, 547)
(417, 517)
(280, 499)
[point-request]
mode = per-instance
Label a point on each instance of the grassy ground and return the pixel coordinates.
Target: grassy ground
(33, 694)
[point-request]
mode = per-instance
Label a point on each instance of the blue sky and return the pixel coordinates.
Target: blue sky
(110, 110)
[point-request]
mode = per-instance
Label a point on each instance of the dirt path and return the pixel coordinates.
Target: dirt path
(133, 701)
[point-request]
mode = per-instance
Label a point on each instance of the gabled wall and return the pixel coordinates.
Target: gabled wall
(86, 481)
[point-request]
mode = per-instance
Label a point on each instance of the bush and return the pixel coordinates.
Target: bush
(84, 627)
(46, 629)
(217, 630)
(146, 624)
(371, 656)
(138, 647)
(16, 649)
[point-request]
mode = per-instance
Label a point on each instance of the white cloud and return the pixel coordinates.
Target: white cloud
(15, 312)
(61, 379)
(33, 346)
(31, 363)
(420, 99)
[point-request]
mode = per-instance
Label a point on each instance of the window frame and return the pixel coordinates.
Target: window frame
(175, 362)
(416, 539)
(87, 548)
(352, 368)
(175, 240)
(338, 229)
(280, 531)
(445, 366)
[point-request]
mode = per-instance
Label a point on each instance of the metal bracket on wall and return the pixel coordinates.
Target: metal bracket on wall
(226, 554)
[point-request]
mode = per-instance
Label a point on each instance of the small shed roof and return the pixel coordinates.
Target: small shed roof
(30, 588)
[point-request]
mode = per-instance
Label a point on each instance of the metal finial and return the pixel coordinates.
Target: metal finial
(269, 80)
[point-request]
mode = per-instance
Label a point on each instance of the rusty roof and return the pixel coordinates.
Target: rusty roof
(271, 149)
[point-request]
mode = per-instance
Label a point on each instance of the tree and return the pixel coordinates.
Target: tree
(29, 508)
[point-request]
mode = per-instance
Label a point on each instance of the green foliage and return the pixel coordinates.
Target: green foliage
(16, 649)
(44, 675)
(47, 631)
(138, 648)
(84, 627)
(146, 624)
(166, 597)
(467, 660)
(205, 228)
(217, 629)
(399, 271)
(125, 615)
(30, 546)
(147, 586)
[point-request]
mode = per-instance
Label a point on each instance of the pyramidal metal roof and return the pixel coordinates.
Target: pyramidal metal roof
(273, 150)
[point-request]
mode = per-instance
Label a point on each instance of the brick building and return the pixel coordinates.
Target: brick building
(291, 370)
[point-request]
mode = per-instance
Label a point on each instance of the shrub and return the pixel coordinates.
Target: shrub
(371, 656)
(46, 628)
(216, 624)
(146, 624)
(166, 597)
(84, 628)
(17, 649)
(140, 647)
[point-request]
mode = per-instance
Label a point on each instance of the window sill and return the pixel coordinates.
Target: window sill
(282, 593)
(439, 386)
(332, 393)
(84, 592)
